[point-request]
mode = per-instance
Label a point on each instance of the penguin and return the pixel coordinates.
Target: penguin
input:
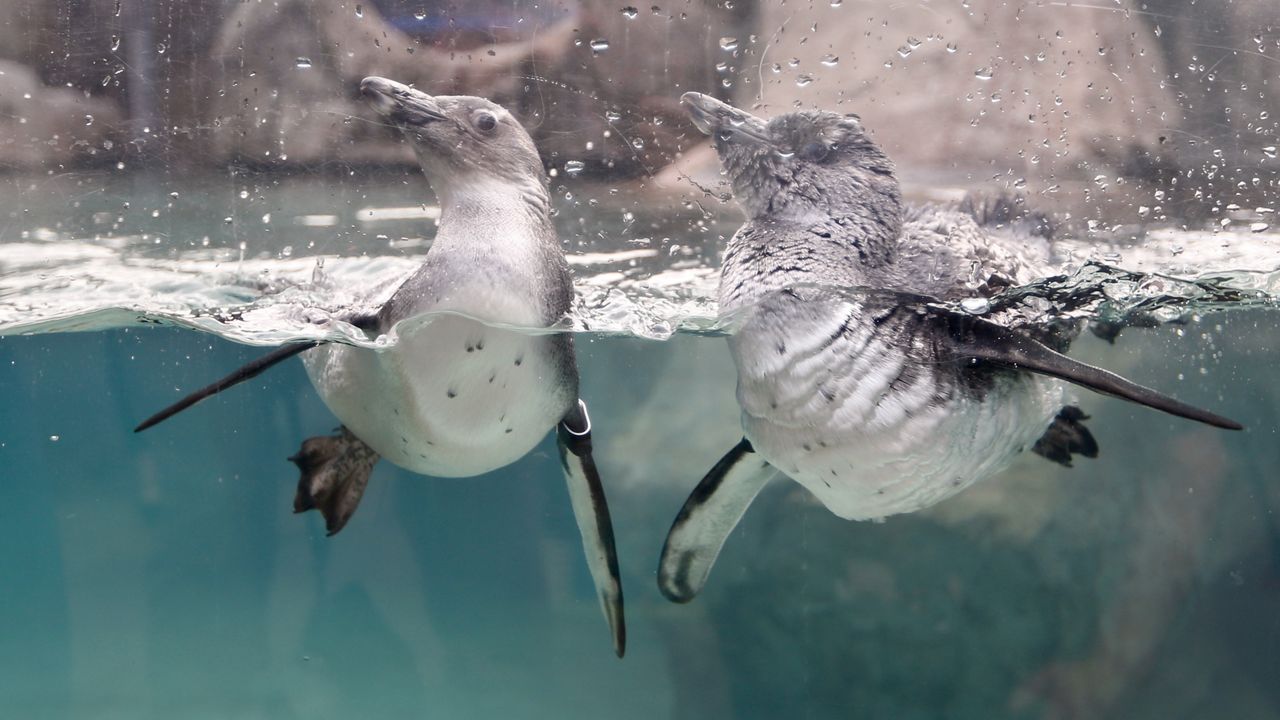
(461, 392)
(857, 377)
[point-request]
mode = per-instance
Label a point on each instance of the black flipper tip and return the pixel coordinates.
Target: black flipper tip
(983, 340)
(245, 372)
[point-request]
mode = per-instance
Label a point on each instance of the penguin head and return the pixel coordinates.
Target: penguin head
(459, 140)
(801, 164)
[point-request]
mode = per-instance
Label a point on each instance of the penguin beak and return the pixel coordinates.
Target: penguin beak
(400, 103)
(722, 120)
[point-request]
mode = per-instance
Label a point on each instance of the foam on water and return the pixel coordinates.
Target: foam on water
(64, 284)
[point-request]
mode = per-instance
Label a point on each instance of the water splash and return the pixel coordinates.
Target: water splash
(53, 284)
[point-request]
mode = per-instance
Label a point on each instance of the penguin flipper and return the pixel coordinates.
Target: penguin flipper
(712, 511)
(245, 372)
(1065, 437)
(586, 494)
(335, 472)
(979, 339)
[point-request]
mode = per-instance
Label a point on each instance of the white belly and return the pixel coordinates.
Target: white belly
(452, 398)
(861, 414)
(869, 472)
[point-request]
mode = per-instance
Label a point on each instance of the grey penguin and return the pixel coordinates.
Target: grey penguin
(855, 378)
(461, 392)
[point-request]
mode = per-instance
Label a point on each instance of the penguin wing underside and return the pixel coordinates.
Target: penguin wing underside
(973, 338)
(708, 516)
(591, 510)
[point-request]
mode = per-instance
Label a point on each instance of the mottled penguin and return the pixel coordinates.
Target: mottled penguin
(458, 395)
(855, 378)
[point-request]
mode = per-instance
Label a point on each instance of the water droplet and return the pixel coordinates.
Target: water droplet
(244, 194)
(1270, 151)
(830, 60)
(905, 50)
(984, 73)
(115, 43)
(160, 49)
(612, 115)
(266, 219)
(975, 306)
(728, 44)
(359, 10)
(88, 119)
(1259, 227)
(803, 79)
(837, 3)
(573, 167)
(599, 45)
(637, 144)
(303, 62)
(951, 47)
(55, 438)
(629, 12)
(420, 14)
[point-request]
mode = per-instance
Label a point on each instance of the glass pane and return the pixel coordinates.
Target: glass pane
(918, 211)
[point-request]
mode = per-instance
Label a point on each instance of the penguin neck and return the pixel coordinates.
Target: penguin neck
(481, 209)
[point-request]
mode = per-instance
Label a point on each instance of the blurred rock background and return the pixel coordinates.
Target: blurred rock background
(1028, 94)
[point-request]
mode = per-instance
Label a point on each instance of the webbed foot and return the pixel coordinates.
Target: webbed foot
(1065, 437)
(335, 471)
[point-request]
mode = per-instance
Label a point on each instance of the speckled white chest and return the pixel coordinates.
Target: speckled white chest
(453, 398)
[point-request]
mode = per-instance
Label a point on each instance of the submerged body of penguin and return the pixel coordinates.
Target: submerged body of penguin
(854, 378)
(473, 382)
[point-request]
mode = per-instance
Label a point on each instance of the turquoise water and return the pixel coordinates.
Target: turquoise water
(163, 574)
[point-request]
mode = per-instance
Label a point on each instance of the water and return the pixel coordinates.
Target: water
(162, 574)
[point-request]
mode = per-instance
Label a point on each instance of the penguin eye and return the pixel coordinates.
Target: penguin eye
(484, 121)
(815, 151)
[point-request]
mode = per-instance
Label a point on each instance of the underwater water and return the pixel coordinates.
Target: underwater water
(163, 574)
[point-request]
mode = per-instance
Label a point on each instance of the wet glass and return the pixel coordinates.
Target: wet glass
(190, 184)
